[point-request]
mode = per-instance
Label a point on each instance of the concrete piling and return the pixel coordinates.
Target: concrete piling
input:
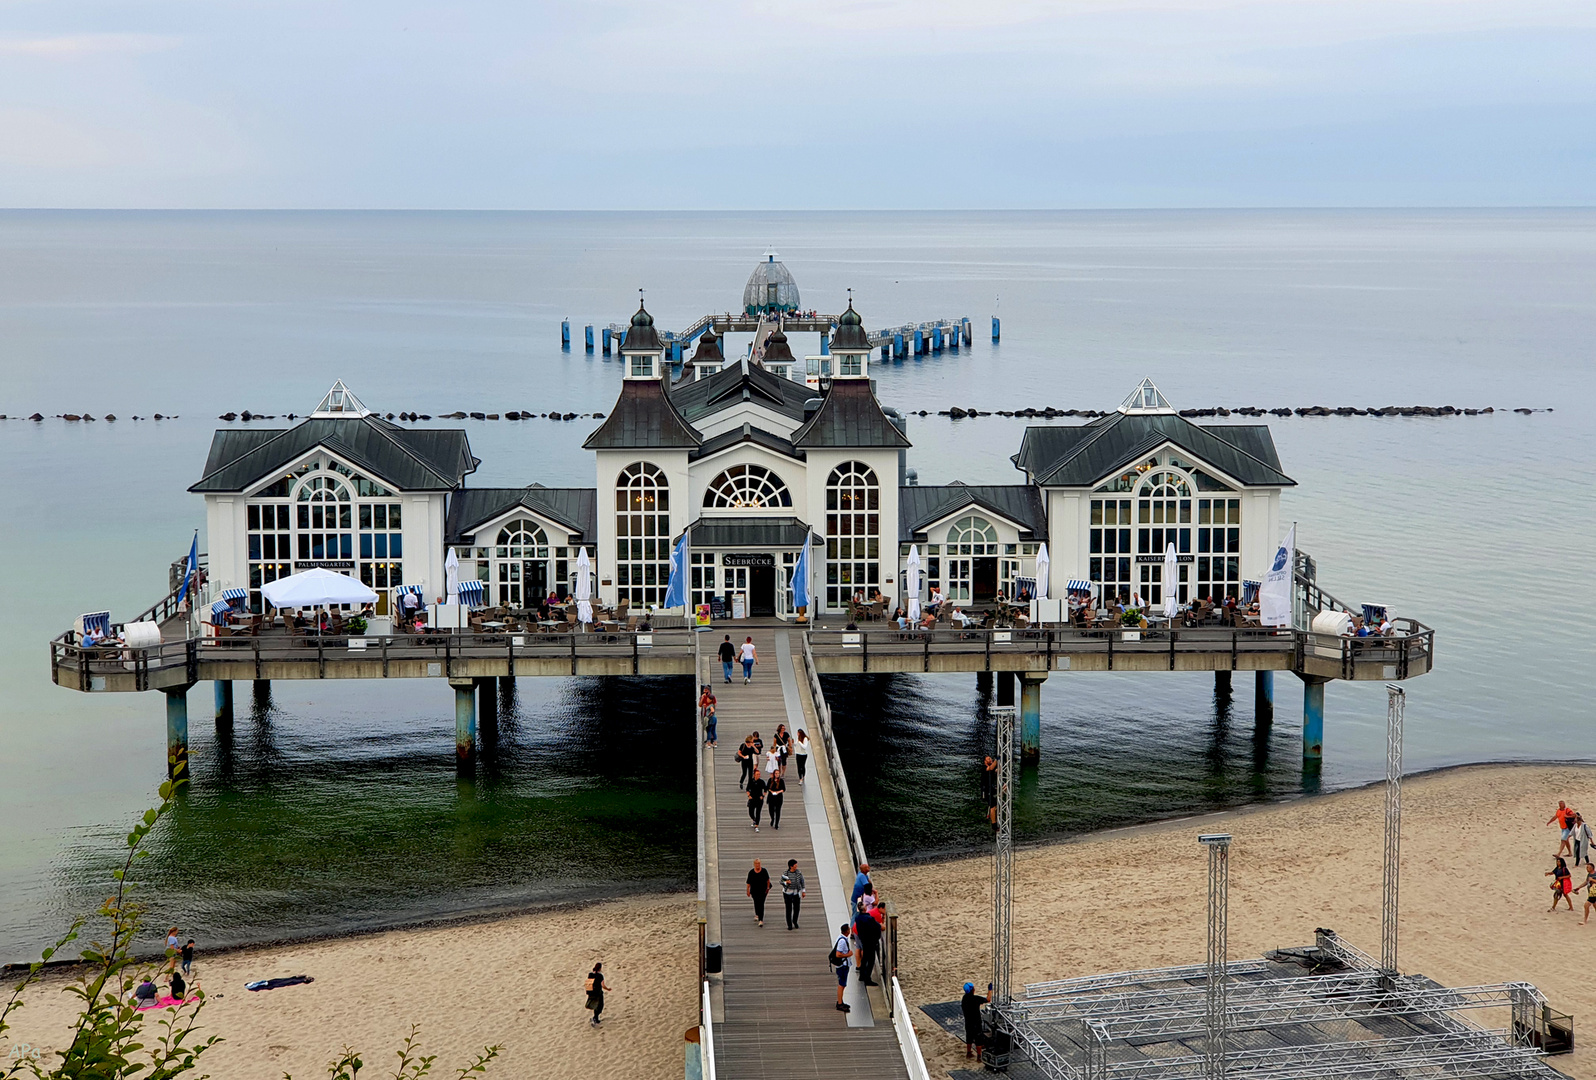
(1005, 689)
(465, 725)
(995, 327)
(224, 703)
(589, 341)
(177, 733)
(1031, 717)
(1312, 725)
(604, 337)
(1222, 684)
(1263, 699)
(565, 334)
(983, 686)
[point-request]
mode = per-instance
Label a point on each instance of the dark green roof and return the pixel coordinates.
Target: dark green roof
(919, 506)
(719, 532)
(643, 418)
(736, 384)
(849, 415)
(641, 334)
(1087, 454)
(575, 508)
(406, 459)
(747, 433)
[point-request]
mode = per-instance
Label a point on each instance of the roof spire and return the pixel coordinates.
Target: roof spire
(339, 402)
(1146, 400)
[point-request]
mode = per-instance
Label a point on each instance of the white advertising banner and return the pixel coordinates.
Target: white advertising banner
(1274, 595)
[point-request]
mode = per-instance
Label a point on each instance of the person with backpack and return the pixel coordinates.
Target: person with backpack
(595, 987)
(728, 656)
(842, 952)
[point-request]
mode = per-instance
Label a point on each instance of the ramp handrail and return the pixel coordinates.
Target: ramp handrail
(706, 1033)
(839, 780)
(908, 1042)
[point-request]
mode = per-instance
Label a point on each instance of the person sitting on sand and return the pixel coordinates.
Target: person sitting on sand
(1562, 884)
(145, 993)
(179, 987)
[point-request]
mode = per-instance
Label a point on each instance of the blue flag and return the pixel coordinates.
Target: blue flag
(800, 577)
(676, 590)
(193, 564)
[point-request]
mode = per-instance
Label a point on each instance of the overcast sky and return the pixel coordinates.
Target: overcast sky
(716, 104)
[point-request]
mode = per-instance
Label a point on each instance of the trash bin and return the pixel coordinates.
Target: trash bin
(712, 958)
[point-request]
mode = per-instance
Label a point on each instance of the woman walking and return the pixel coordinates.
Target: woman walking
(750, 657)
(595, 992)
(756, 799)
(775, 792)
(709, 724)
(1562, 884)
(783, 743)
(801, 751)
(745, 761)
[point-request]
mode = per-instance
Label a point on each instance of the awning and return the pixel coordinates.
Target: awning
(413, 590)
(1076, 585)
(235, 594)
(221, 607)
(471, 593)
(747, 532)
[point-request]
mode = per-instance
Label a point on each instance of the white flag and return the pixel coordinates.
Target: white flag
(1274, 594)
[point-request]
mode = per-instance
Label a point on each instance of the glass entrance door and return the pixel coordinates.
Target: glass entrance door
(535, 582)
(762, 591)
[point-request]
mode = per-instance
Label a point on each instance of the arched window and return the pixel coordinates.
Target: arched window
(747, 486)
(643, 533)
(853, 532)
(1163, 517)
(521, 563)
(324, 521)
(972, 536)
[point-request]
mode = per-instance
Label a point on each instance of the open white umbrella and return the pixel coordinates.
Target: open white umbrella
(1171, 582)
(1043, 564)
(316, 588)
(911, 582)
(451, 578)
(584, 587)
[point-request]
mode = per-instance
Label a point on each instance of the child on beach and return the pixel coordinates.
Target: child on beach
(188, 956)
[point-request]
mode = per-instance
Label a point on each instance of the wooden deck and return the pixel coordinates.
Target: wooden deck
(777, 993)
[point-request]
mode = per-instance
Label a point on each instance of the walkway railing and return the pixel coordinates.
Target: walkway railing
(913, 1059)
(706, 1033)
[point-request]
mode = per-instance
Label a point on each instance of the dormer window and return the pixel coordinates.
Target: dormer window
(850, 365)
(640, 366)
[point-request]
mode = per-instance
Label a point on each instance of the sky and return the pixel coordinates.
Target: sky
(808, 104)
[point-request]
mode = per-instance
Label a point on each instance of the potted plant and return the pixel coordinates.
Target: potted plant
(1131, 620)
(356, 624)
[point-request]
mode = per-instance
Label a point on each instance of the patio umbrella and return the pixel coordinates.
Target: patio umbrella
(451, 578)
(911, 582)
(1042, 566)
(316, 588)
(1171, 582)
(584, 587)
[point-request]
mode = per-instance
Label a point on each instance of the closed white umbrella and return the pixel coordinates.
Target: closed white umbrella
(451, 578)
(1043, 564)
(584, 587)
(911, 582)
(316, 588)
(1171, 582)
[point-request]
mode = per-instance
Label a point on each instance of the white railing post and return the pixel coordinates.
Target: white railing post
(706, 1033)
(908, 1043)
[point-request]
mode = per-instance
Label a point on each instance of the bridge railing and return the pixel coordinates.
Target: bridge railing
(444, 648)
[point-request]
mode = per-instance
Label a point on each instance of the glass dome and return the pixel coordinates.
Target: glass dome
(770, 288)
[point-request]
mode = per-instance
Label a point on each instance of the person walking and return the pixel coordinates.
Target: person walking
(728, 654)
(1562, 884)
(709, 723)
(861, 884)
(841, 954)
(775, 792)
(188, 957)
(756, 799)
(772, 763)
(1582, 840)
(745, 760)
(800, 751)
(782, 740)
(1564, 816)
(595, 986)
(1589, 885)
(758, 889)
(868, 933)
(793, 892)
(750, 657)
(970, 1005)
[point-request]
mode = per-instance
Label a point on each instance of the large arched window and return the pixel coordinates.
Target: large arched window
(971, 556)
(521, 563)
(747, 486)
(853, 532)
(643, 533)
(1163, 517)
(325, 521)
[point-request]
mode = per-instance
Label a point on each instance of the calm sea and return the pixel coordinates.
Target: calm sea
(335, 806)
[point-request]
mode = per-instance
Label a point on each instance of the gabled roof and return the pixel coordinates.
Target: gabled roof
(574, 508)
(643, 418)
(420, 459)
(749, 434)
(738, 384)
(1086, 454)
(849, 415)
(716, 532)
(919, 507)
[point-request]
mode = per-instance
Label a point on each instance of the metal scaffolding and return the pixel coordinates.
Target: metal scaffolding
(1003, 860)
(1218, 949)
(1395, 701)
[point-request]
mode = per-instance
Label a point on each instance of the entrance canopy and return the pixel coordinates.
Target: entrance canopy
(315, 588)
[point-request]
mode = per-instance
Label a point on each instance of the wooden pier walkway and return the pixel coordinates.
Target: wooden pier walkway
(775, 1003)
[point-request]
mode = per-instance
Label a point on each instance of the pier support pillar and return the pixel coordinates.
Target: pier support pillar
(1221, 684)
(224, 703)
(604, 336)
(1312, 725)
(465, 725)
(983, 686)
(262, 689)
(1031, 717)
(565, 334)
(589, 342)
(1263, 698)
(995, 327)
(177, 733)
(1005, 688)
(488, 714)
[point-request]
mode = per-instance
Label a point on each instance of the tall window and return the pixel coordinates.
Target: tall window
(325, 522)
(520, 559)
(1110, 546)
(1163, 517)
(643, 533)
(853, 532)
(972, 559)
(381, 543)
(270, 546)
(1218, 547)
(747, 486)
(702, 576)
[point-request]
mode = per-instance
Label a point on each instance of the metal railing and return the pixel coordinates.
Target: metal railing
(706, 1032)
(908, 1042)
(839, 779)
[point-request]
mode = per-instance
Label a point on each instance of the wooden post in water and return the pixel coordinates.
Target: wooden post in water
(177, 733)
(565, 334)
(995, 326)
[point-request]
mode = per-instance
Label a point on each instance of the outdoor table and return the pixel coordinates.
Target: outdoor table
(493, 626)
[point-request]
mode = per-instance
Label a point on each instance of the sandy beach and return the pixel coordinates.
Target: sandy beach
(1474, 902)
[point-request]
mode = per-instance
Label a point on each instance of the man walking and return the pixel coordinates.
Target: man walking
(759, 888)
(861, 884)
(792, 892)
(728, 655)
(868, 933)
(841, 953)
(756, 799)
(1564, 816)
(1582, 839)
